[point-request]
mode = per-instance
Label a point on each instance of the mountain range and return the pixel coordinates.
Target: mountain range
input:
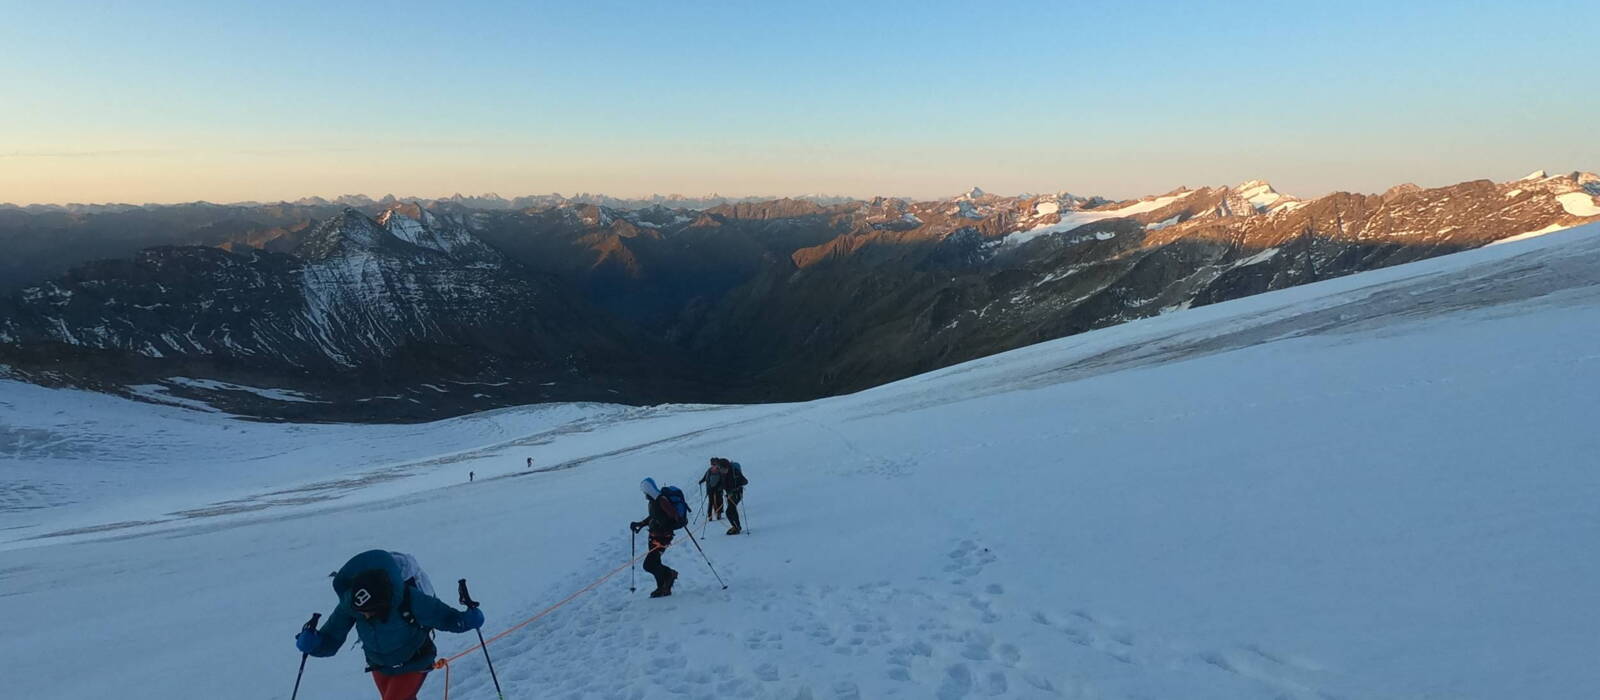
(404, 310)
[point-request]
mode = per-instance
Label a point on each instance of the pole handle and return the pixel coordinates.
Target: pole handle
(461, 587)
(311, 624)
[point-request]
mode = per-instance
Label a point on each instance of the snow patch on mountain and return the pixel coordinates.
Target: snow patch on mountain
(1157, 226)
(159, 394)
(1579, 204)
(1258, 193)
(284, 395)
(1075, 219)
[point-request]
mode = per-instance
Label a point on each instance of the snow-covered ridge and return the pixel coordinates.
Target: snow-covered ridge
(1263, 198)
(1074, 219)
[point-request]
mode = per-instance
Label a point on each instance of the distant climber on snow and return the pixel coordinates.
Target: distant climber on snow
(668, 512)
(713, 487)
(732, 483)
(389, 601)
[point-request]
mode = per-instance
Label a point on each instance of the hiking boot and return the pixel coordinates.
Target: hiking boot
(735, 530)
(666, 590)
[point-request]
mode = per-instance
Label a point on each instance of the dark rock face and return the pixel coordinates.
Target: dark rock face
(361, 310)
(411, 311)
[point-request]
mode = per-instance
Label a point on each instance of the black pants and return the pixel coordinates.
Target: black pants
(732, 501)
(714, 503)
(652, 562)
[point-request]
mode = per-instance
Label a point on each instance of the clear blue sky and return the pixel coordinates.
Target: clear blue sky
(175, 101)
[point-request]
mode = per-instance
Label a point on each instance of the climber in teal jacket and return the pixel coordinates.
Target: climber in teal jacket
(392, 617)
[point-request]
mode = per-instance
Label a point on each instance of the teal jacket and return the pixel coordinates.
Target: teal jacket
(393, 644)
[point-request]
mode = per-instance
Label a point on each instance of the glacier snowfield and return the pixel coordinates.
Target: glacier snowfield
(1380, 486)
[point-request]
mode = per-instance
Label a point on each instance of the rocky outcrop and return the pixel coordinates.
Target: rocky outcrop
(360, 309)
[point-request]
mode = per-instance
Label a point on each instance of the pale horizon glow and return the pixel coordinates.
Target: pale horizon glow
(183, 101)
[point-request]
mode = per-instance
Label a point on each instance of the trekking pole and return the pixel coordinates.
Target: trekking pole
(705, 511)
(744, 517)
(470, 603)
(311, 625)
(708, 559)
(633, 554)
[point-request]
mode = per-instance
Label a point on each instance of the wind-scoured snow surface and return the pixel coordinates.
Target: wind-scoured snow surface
(1382, 486)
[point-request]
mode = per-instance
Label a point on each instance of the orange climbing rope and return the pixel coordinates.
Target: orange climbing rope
(445, 663)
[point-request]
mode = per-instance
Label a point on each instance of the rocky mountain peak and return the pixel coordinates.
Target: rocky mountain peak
(1589, 181)
(1259, 195)
(1402, 189)
(439, 231)
(350, 231)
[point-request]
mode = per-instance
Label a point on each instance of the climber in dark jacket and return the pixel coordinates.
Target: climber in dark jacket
(713, 484)
(392, 617)
(733, 483)
(661, 526)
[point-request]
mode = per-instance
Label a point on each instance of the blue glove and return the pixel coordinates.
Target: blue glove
(308, 640)
(471, 619)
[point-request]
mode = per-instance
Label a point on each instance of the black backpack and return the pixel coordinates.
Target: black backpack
(735, 477)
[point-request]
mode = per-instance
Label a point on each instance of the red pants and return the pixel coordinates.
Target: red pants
(400, 687)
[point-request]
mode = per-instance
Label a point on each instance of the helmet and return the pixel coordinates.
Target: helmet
(648, 486)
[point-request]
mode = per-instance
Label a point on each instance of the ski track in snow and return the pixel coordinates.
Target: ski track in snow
(1373, 487)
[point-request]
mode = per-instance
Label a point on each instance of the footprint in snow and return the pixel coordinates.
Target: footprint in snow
(1010, 655)
(995, 683)
(957, 683)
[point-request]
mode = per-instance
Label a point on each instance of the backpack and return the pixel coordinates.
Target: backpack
(411, 576)
(735, 477)
(411, 572)
(676, 508)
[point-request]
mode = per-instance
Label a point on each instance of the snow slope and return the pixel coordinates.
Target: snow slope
(1379, 486)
